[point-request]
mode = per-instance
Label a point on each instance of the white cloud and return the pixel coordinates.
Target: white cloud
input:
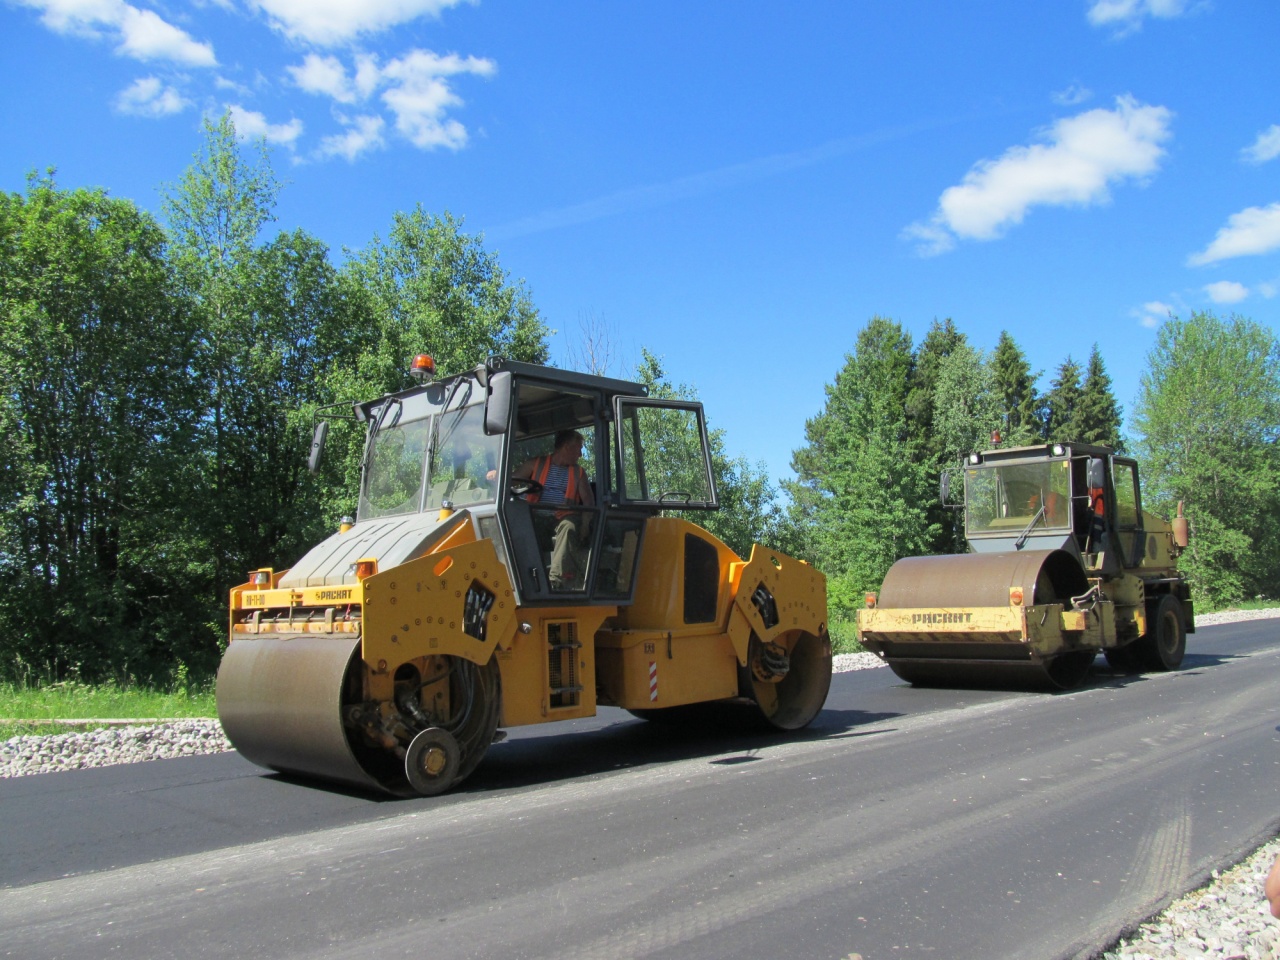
(1153, 313)
(931, 238)
(1082, 156)
(150, 97)
(415, 89)
(326, 76)
(1266, 147)
(364, 133)
(140, 34)
(226, 83)
(419, 96)
(1226, 291)
(1251, 231)
(1127, 15)
(250, 124)
(334, 22)
(1073, 96)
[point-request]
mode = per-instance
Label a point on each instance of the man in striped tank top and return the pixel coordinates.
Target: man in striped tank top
(563, 481)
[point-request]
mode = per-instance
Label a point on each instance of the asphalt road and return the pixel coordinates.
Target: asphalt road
(905, 822)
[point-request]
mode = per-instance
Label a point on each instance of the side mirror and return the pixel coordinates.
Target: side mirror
(944, 487)
(1097, 473)
(497, 409)
(317, 446)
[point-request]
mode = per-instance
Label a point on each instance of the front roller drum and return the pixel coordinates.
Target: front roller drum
(280, 700)
(970, 582)
(295, 705)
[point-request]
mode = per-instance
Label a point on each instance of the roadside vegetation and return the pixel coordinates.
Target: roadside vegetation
(38, 708)
(159, 377)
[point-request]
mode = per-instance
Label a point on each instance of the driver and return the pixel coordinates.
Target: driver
(562, 480)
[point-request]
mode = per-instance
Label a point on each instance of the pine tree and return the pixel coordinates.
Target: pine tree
(967, 411)
(941, 343)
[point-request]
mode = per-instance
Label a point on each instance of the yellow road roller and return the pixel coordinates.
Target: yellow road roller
(510, 564)
(1064, 563)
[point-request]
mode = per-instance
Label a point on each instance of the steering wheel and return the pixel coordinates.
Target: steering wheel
(523, 486)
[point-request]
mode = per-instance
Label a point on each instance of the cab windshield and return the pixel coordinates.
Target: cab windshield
(417, 465)
(1010, 498)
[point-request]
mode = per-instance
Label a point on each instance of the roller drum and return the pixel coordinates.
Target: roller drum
(983, 579)
(975, 581)
(280, 702)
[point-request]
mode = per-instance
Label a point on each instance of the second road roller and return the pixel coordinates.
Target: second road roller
(510, 563)
(1065, 563)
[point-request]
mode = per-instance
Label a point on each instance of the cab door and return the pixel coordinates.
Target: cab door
(1128, 510)
(662, 455)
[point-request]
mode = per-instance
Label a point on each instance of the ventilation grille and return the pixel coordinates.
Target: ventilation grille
(562, 664)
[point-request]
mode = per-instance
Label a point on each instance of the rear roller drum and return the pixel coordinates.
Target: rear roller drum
(790, 678)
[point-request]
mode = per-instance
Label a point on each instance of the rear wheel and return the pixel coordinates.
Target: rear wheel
(1165, 642)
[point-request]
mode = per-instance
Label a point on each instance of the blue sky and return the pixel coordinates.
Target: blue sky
(737, 187)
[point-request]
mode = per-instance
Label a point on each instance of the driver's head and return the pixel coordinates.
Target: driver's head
(568, 448)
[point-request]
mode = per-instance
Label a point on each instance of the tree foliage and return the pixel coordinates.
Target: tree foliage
(94, 397)
(427, 288)
(1208, 424)
(157, 389)
(861, 500)
(1061, 403)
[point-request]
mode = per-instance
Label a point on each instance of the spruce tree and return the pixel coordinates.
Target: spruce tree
(1022, 417)
(940, 344)
(1062, 402)
(1097, 415)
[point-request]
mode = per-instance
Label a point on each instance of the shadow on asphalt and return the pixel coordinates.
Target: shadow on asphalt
(1102, 675)
(630, 743)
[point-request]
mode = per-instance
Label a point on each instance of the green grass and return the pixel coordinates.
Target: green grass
(29, 708)
(844, 636)
(1260, 604)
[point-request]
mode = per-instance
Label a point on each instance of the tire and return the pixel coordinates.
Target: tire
(1165, 642)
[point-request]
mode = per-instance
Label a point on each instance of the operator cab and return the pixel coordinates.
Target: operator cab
(639, 456)
(459, 444)
(1075, 497)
